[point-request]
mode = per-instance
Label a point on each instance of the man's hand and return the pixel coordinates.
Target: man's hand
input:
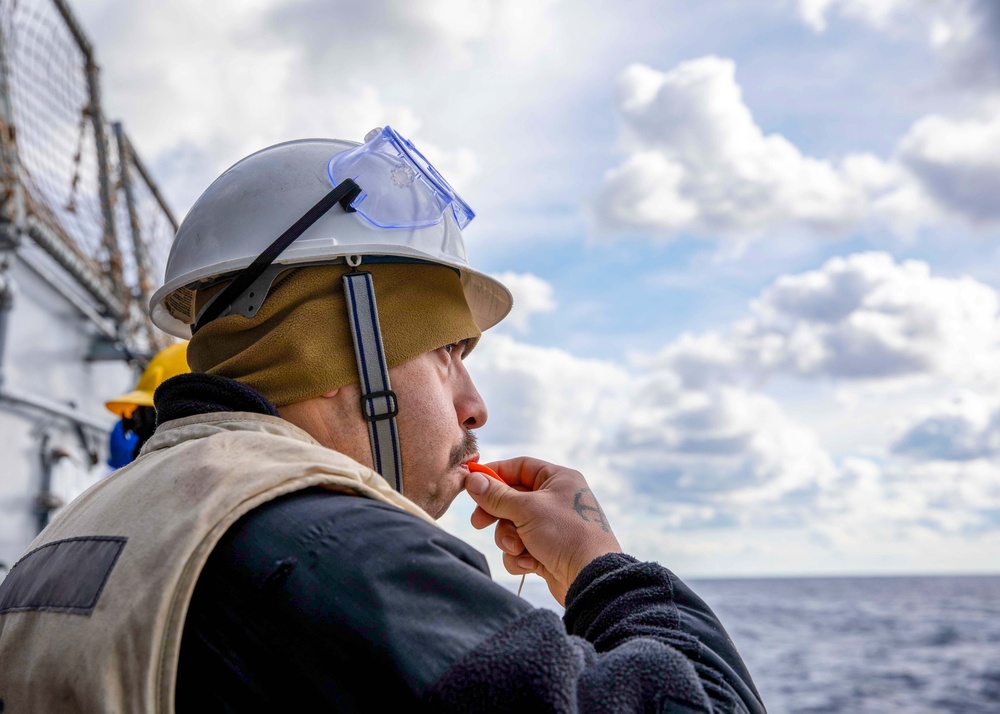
(548, 520)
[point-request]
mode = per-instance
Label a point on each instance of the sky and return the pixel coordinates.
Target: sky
(753, 245)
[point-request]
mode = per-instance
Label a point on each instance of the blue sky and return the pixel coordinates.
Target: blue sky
(753, 246)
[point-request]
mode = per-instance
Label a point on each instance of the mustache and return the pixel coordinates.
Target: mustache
(466, 448)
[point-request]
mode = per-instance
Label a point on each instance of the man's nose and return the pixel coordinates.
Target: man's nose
(469, 404)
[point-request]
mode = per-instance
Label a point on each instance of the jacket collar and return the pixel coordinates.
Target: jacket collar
(198, 393)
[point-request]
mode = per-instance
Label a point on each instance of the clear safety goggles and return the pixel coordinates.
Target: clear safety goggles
(399, 186)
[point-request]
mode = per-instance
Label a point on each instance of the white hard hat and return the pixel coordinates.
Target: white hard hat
(242, 212)
(277, 209)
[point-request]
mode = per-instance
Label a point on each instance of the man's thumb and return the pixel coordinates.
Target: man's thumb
(490, 494)
(477, 484)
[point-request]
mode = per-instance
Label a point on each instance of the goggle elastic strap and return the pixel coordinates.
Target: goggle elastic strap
(344, 193)
(378, 401)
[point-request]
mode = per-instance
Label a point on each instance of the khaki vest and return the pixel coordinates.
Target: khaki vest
(154, 522)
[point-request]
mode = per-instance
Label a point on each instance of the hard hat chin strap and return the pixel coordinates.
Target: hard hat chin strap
(378, 402)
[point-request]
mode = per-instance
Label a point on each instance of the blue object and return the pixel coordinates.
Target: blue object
(399, 187)
(122, 446)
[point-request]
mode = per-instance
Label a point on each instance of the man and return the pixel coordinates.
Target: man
(274, 546)
(135, 410)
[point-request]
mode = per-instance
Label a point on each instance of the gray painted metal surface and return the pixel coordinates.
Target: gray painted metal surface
(53, 425)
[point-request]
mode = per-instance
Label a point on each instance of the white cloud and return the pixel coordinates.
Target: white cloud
(897, 198)
(813, 13)
(434, 35)
(874, 12)
(532, 295)
(722, 446)
(865, 316)
(869, 316)
(964, 428)
(958, 160)
(902, 502)
(545, 401)
(644, 439)
(965, 33)
(224, 79)
(645, 193)
(969, 41)
(200, 85)
(861, 317)
(698, 161)
(647, 443)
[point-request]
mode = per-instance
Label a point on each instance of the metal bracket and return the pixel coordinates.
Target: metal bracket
(253, 297)
(250, 300)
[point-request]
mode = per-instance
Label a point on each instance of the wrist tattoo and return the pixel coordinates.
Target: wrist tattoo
(587, 507)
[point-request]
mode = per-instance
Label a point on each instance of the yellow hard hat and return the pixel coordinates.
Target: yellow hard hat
(167, 363)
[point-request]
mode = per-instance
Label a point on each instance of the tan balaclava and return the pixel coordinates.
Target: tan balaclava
(299, 343)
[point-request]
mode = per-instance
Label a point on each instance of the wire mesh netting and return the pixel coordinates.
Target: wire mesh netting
(147, 226)
(76, 170)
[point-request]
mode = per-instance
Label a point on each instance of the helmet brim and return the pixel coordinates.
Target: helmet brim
(124, 405)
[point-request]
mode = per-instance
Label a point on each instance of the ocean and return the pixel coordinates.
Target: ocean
(862, 645)
(872, 645)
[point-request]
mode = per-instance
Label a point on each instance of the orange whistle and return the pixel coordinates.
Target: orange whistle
(476, 466)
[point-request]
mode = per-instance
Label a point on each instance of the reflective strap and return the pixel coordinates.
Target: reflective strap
(378, 401)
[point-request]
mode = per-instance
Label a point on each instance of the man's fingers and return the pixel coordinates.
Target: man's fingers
(507, 539)
(481, 519)
(519, 564)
